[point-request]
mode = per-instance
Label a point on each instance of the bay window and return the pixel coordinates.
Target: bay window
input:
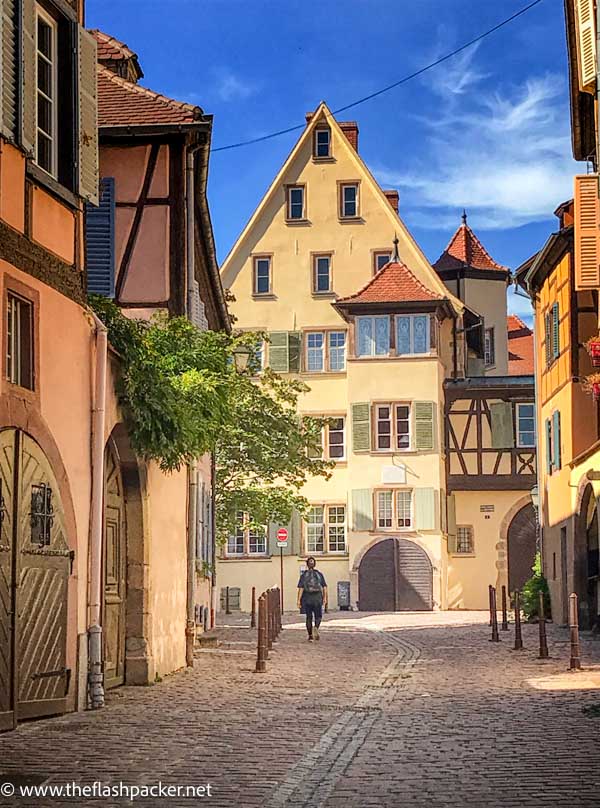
(373, 336)
(412, 334)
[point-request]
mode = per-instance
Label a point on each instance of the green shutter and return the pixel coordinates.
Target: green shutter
(361, 427)
(548, 339)
(294, 350)
(555, 331)
(362, 509)
(424, 425)
(425, 508)
(295, 530)
(87, 146)
(8, 69)
(503, 434)
(279, 355)
(556, 460)
(548, 430)
(27, 83)
(443, 512)
(451, 503)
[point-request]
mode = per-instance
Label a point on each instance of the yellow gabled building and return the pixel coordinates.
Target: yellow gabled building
(351, 304)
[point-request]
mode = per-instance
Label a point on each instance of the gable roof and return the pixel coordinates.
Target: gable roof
(465, 250)
(394, 283)
(123, 103)
(520, 347)
(111, 50)
(420, 266)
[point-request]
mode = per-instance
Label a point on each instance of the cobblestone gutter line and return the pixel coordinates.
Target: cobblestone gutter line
(313, 779)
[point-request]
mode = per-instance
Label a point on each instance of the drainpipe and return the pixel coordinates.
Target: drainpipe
(95, 671)
(190, 626)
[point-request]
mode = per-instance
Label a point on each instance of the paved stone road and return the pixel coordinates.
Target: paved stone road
(387, 710)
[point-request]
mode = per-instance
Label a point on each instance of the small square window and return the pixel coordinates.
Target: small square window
(380, 259)
(19, 341)
(295, 203)
(464, 540)
(262, 276)
(349, 201)
(323, 143)
(322, 274)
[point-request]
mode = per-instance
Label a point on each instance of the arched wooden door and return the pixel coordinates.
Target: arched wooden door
(395, 575)
(115, 565)
(35, 564)
(521, 547)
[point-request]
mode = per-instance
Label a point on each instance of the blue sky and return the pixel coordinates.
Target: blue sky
(487, 130)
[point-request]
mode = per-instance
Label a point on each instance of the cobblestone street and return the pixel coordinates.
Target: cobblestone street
(387, 710)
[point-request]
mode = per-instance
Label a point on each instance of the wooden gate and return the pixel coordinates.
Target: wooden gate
(395, 575)
(521, 547)
(115, 550)
(33, 615)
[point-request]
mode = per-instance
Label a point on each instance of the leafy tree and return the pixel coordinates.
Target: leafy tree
(531, 589)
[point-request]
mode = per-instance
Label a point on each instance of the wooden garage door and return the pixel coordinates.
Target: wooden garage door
(521, 547)
(395, 575)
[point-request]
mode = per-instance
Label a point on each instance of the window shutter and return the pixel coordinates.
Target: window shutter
(555, 331)
(548, 338)
(556, 460)
(424, 505)
(294, 352)
(279, 356)
(424, 425)
(587, 232)
(198, 312)
(586, 44)
(100, 241)
(548, 426)
(443, 512)
(87, 162)
(272, 547)
(27, 88)
(503, 436)
(361, 427)
(295, 533)
(362, 509)
(8, 69)
(451, 503)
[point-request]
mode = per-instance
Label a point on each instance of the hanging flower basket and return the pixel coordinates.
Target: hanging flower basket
(593, 348)
(592, 385)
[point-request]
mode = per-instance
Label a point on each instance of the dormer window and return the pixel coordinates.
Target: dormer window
(322, 143)
(296, 203)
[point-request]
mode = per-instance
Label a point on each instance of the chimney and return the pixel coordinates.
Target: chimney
(350, 129)
(393, 198)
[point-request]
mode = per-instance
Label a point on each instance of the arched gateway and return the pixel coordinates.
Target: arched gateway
(521, 547)
(395, 575)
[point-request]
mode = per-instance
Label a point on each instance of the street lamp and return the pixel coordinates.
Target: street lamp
(241, 357)
(535, 498)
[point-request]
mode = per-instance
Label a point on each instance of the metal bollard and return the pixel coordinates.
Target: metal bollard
(490, 587)
(261, 644)
(504, 610)
(518, 635)
(575, 661)
(227, 609)
(253, 610)
(270, 632)
(542, 627)
(495, 635)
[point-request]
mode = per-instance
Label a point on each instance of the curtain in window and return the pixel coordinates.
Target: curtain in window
(382, 335)
(403, 335)
(365, 336)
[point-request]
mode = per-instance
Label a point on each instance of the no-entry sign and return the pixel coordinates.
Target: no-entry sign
(282, 537)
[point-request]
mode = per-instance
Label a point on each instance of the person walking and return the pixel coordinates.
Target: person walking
(312, 597)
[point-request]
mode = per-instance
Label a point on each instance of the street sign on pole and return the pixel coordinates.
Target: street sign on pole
(282, 537)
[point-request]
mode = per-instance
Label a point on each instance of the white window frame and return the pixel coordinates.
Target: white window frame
(336, 348)
(332, 527)
(390, 511)
(521, 445)
(327, 131)
(319, 526)
(256, 260)
(489, 347)
(314, 349)
(471, 533)
(412, 319)
(392, 406)
(288, 212)
(373, 338)
(41, 14)
(324, 528)
(343, 214)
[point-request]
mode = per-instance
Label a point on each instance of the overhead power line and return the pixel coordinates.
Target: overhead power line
(389, 87)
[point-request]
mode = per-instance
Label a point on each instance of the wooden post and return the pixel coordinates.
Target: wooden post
(575, 661)
(270, 638)
(261, 644)
(227, 609)
(542, 627)
(518, 635)
(253, 610)
(504, 610)
(495, 635)
(490, 587)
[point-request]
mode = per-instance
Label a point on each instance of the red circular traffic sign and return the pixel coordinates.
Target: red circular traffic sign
(282, 534)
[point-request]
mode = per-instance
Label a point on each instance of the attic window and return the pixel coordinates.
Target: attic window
(322, 144)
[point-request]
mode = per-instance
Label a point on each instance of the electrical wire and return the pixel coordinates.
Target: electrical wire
(389, 87)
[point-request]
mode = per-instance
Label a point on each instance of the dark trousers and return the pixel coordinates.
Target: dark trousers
(312, 609)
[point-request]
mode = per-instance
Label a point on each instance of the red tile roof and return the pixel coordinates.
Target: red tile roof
(465, 249)
(520, 347)
(110, 49)
(122, 103)
(394, 283)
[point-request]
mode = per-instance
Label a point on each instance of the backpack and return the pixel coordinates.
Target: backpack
(312, 583)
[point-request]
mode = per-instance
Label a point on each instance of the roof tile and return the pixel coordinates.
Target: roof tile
(520, 347)
(465, 250)
(394, 283)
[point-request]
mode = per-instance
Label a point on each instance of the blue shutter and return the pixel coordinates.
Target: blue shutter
(100, 241)
(556, 462)
(548, 446)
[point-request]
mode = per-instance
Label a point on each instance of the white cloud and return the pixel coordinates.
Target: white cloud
(230, 87)
(519, 305)
(505, 157)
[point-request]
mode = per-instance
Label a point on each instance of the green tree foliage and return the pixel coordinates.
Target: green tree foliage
(181, 396)
(531, 589)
